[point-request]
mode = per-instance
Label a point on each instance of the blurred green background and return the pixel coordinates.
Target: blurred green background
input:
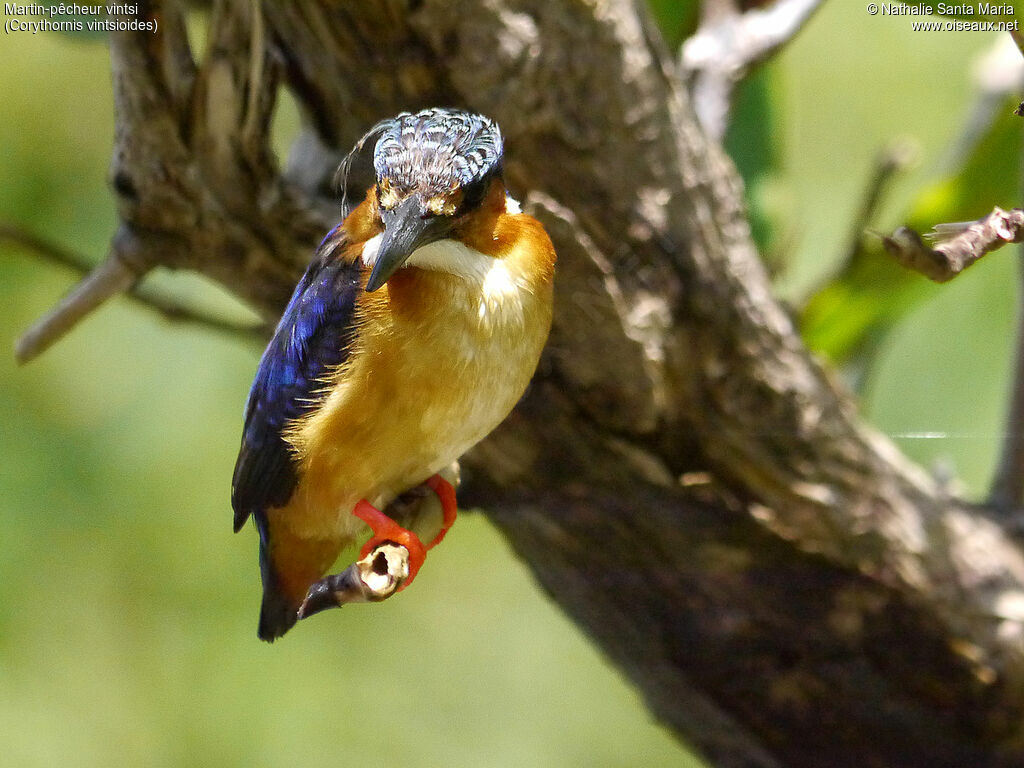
(127, 607)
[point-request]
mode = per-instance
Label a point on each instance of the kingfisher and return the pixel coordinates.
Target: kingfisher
(412, 334)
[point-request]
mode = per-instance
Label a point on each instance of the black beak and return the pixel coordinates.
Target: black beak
(406, 228)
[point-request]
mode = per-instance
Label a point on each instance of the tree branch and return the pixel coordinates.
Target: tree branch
(815, 599)
(959, 244)
(168, 307)
(717, 57)
(108, 279)
(891, 160)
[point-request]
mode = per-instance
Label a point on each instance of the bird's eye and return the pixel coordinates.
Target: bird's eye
(473, 193)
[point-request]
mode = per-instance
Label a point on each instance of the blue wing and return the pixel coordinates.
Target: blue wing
(314, 335)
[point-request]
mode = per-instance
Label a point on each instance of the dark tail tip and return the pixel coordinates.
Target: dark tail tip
(240, 517)
(277, 616)
(277, 613)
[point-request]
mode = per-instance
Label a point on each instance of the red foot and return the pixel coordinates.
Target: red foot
(386, 529)
(449, 507)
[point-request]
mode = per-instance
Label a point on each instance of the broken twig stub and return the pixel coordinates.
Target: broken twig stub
(374, 578)
(957, 245)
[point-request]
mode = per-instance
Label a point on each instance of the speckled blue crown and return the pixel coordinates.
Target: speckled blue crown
(437, 150)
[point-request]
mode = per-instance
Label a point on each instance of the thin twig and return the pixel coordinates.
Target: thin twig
(252, 128)
(727, 44)
(111, 277)
(170, 308)
(960, 244)
(890, 161)
(48, 249)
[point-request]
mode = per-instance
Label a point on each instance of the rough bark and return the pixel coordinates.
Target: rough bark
(683, 477)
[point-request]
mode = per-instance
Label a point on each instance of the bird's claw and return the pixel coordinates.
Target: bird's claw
(387, 531)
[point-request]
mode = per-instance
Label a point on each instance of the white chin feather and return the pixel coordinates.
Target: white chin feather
(370, 250)
(512, 206)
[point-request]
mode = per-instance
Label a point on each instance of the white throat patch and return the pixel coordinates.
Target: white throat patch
(371, 248)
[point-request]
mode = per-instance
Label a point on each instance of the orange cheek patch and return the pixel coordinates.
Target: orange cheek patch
(364, 222)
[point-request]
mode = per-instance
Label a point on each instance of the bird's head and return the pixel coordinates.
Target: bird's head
(433, 169)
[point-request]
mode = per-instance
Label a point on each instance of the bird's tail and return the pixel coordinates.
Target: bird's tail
(278, 613)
